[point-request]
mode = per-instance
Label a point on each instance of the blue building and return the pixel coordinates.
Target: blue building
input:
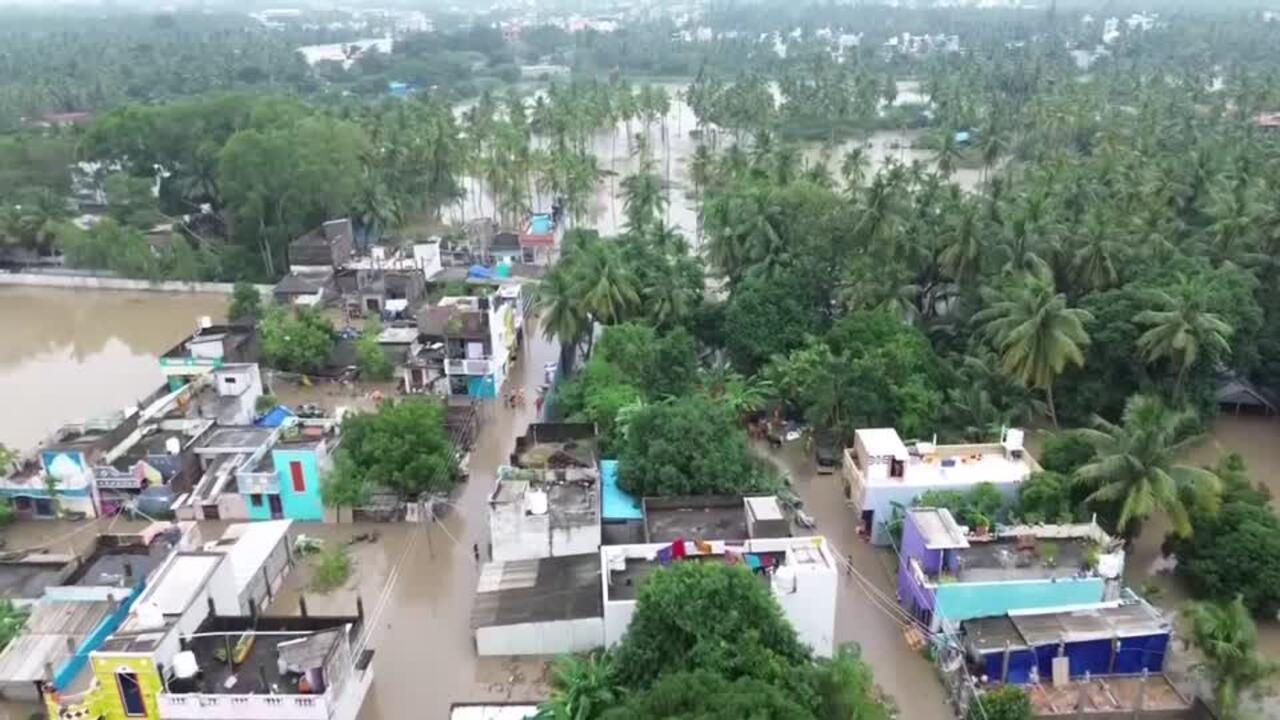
(947, 574)
(1125, 637)
(286, 482)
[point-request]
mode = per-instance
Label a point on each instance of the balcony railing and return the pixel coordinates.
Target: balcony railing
(197, 706)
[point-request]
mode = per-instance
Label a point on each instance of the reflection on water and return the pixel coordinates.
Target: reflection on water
(71, 354)
(672, 145)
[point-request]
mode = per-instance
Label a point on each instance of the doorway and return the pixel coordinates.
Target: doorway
(277, 507)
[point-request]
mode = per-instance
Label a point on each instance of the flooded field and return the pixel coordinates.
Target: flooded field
(672, 146)
(72, 354)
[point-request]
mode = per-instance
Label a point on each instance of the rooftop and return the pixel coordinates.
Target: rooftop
(1116, 696)
(618, 504)
(929, 465)
(177, 584)
(556, 445)
(234, 440)
(639, 561)
(248, 545)
(113, 566)
(260, 671)
(571, 498)
(52, 629)
(27, 577)
(1008, 558)
(542, 590)
(938, 528)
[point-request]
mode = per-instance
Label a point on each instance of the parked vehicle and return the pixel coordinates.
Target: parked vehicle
(825, 454)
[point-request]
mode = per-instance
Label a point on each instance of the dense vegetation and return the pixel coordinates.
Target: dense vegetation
(674, 661)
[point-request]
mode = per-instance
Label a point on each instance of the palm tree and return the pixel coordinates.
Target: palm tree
(853, 167)
(701, 169)
(609, 289)
(1136, 464)
(581, 688)
(963, 239)
(564, 316)
(1182, 330)
(1035, 332)
(668, 300)
(1227, 639)
(643, 199)
(744, 396)
(948, 154)
(1093, 264)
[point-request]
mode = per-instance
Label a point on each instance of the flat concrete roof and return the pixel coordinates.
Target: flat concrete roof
(253, 543)
(1003, 559)
(234, 439)
(542, 590)
(26, 579)
(50, 627)
(882, 442)
(709, 517)
(938, 528)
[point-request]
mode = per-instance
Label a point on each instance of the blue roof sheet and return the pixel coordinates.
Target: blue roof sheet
(275, 417)
(618, 505)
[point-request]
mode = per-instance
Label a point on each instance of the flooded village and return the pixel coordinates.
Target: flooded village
(434, 614)
(183, 546)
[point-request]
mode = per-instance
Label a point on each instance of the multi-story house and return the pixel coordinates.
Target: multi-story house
(479, 337)
(881, 472)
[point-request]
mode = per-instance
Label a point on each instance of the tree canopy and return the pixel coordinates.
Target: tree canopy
(402, 446)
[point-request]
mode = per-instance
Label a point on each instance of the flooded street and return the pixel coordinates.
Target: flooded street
(72, 354)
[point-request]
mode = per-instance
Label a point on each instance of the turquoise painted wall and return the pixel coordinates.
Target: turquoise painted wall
(962, 601)
(306, 505)
(262, 512)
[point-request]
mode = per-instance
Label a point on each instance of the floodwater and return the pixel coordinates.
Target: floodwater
(75, 354)
(671, 146)
(1255, 439)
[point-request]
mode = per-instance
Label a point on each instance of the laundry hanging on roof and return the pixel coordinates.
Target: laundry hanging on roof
(664, 556)
(704, 547)
(678, 549)
(753, 561)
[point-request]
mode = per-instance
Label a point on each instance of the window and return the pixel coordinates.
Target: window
(131, 693)
(230, 380)
(295, 472)
(256, 500)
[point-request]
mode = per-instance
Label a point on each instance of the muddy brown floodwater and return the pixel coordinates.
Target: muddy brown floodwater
(75, 354)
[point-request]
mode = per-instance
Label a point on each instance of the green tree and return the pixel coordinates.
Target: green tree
(1232, 553)
(672, 630)
(765, 318)
(12, 620)
(1136, 465)
(298, 341)
(687, 446)
(1227, 640)
(1035, 332)
(702, 695)
(246, 303)
(1008, 702)
(370, 358)
(1181, 331)
(402, 447)
(582, 688)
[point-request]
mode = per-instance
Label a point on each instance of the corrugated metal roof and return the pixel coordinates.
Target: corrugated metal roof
(52, 632)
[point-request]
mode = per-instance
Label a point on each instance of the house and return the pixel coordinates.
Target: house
(185, 651)
(947, 574)
(310, 288)
(881, 472)
(547, 502)
(261, 555)
(1236, 394)
(480, 337)
(208, 348)
(504, 248)
(539, 240)
(540, 606)
(71, 619)
(329, 246)
(1122, 637)
(285, 483)
(802, 573)
(158, 453)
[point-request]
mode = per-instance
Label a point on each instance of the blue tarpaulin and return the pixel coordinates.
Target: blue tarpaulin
(275, 417)
(479, 271)
(618, 505)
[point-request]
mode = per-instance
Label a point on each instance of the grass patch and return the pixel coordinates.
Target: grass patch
(333, 567)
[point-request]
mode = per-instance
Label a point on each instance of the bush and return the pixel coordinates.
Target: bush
(333, 568)
(1007, 702)
(1064, 453)
(299, 341)
(1234, 553)
(246, 303)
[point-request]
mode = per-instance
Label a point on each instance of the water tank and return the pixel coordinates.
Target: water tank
(149, 616)
(205, 322)
(535, 502)
(173, 446)
(185, 666)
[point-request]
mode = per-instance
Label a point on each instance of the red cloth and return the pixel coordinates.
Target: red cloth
(677, 548)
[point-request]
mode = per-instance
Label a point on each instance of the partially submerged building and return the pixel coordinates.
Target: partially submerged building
(882, 471)
(948, 574)
(187, 650)
(479, 337)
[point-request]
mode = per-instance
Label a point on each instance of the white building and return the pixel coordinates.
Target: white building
(260, 557)
(803, 578)
(547, 606)
(880, 471)
(537, 514)
(345, 53)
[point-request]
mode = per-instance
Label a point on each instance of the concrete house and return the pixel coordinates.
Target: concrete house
(947, 574)
(880, 470)
(479, 336)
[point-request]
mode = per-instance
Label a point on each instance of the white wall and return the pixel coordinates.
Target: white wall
(545, 638)
(196, 706)
(579, 540)
(514, 535)
(231, 506)
(617, 616)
